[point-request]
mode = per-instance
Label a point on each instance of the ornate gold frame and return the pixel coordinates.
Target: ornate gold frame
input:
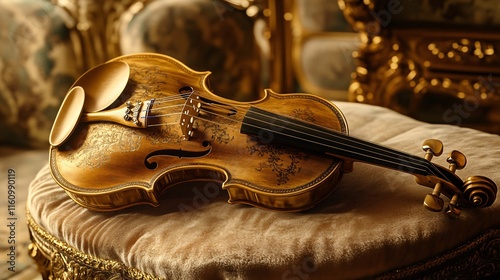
(401, 67)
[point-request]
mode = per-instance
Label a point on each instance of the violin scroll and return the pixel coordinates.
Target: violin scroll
(480, 191)
(476, 191)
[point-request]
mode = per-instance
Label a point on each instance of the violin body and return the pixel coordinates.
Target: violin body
(131, 128)
(106, 166)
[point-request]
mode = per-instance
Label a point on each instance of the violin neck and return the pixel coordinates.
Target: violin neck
(270, 127)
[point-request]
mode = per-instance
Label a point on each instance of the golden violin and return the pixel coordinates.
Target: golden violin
(139, 124)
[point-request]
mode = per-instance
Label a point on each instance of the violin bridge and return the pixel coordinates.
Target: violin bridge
(190, 111)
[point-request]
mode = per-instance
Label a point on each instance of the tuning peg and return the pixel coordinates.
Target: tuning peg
(432, 201)
(457, 161)
(453, 211)
(432, 147)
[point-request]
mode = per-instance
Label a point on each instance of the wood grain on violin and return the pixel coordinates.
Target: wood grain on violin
(284, 152)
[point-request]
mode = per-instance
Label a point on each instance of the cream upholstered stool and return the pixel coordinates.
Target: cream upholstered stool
(372, 225)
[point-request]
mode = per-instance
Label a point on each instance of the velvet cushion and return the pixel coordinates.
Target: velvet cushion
(373, 222)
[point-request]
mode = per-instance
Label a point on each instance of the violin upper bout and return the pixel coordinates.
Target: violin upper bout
(307, 107)
(160, 68)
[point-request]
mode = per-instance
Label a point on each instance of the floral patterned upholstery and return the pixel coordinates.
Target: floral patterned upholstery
(36, 69)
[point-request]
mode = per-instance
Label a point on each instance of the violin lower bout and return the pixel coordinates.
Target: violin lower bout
(293, 201)
(285, 198)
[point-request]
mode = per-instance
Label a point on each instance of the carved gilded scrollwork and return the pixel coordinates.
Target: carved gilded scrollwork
(95, 28)
(433, 74)
(376, 46)
(463, 50)
(58, 260)
(40, 259)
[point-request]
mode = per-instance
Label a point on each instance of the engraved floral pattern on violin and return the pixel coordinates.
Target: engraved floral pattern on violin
(281, 161)
(304, 114)
(101, 142)
(218, 133)
(142, 79)
(163, 135)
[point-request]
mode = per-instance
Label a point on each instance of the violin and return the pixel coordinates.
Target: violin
(137, 125)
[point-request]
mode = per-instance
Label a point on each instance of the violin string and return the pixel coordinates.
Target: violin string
(194, 116)
(174, 98)
(395, 157)
(162, 124)
(181, 96)
(162, 115)
(354, 142)
(178, 105)
(314, 142)
(201, 109)
(382, 151)
(164, 107)
(352, 151)
(168, 99)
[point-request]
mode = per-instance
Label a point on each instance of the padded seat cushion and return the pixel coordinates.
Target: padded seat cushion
(373, 222)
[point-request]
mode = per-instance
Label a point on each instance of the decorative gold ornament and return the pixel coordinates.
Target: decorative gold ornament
(433, 74)
(58, 260)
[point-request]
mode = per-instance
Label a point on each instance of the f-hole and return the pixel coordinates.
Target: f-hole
(180, 153)
(186, 90)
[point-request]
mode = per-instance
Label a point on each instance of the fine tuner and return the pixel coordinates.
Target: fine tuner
(133, 127)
